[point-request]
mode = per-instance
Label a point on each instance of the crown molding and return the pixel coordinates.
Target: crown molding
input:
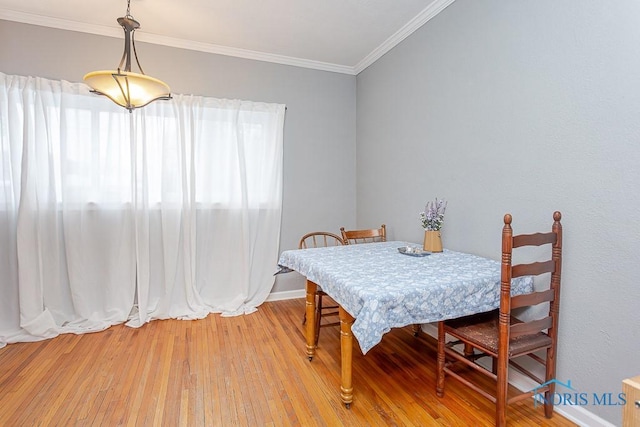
(44, 21)
(243, 53)
(422, 18)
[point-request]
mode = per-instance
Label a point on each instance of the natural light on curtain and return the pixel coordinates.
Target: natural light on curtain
(108, 217)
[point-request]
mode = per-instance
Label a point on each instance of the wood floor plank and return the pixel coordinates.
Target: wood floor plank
(243, 371)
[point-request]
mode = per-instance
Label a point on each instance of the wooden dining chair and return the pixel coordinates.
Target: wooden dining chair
(318, 239)
(371, 235)
(504, 337)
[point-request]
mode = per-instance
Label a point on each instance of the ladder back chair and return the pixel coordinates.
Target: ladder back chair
(500, 334)
(318, 239)
(371, 235)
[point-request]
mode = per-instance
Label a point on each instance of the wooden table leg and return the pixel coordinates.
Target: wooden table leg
(346, 349)
(311, 323)
(441, 360)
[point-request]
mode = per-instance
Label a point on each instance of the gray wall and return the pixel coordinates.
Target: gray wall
(524, 107)
(319, 137)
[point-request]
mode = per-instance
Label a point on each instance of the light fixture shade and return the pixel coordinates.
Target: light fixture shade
(124, 87)
(127, 89)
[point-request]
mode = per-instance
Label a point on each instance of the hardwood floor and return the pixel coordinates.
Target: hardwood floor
(234, 371)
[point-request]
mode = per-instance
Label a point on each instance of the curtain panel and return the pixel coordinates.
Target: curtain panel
(106, 216)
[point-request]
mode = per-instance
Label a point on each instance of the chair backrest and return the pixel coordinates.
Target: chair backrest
(318, 239)
(351, 237)
(550, 265)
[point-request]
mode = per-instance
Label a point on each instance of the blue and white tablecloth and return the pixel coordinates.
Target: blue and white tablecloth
(383, 289)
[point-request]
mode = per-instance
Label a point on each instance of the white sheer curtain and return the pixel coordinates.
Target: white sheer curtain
(108, 217)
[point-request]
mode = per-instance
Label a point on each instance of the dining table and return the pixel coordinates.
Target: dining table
(385, 285)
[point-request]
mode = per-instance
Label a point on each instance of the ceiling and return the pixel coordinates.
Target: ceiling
(344, 36)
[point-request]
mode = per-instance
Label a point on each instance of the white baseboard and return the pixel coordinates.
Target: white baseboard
(577, 414)
(278, 296)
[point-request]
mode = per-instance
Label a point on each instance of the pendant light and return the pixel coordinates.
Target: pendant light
(124, 87)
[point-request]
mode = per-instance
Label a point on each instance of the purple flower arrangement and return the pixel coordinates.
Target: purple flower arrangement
(433, 216)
